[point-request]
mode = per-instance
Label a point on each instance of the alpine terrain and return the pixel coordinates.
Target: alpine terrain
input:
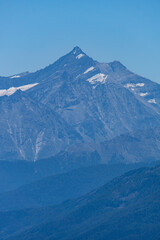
(79, 155)
(79, 106)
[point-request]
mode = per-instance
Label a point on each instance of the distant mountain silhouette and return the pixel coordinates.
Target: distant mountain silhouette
(125, 208)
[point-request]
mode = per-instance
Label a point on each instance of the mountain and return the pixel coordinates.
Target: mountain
(125, 208)
(21, 128)
(132, 147)
(17, 173)
(14, 174)
(58, 188)
(74, 101)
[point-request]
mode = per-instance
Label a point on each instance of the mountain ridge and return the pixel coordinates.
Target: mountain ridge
(75, 100)
(125, 208)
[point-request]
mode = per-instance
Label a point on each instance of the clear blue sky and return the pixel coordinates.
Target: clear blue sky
(34, 33)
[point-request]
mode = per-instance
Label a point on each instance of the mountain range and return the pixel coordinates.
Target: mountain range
(79, 106)
(79, 155)
(32, 191)
(125, 208)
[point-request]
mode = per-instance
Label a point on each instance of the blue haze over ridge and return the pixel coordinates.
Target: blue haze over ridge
(130, 202)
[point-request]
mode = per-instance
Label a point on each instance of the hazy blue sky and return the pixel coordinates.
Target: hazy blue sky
(34, 33)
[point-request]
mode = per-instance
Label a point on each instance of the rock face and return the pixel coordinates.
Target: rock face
(75, 101)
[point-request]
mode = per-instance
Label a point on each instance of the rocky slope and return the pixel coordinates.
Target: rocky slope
(75, 100)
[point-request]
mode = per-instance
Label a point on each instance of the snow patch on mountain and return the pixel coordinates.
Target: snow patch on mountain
(140, 85)
(80, 56)
(132, 85)
(132, 89)
(89, 70)
(39, 143)
(16, 76)
(94, 86)
(100, 77)
(143, 94)
(12, 90)
(128, 85)
(152, 101)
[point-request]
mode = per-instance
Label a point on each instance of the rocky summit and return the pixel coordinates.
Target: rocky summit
(77, 105)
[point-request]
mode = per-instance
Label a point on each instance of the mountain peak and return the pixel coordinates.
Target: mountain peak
(77, 50)
(116, 65)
